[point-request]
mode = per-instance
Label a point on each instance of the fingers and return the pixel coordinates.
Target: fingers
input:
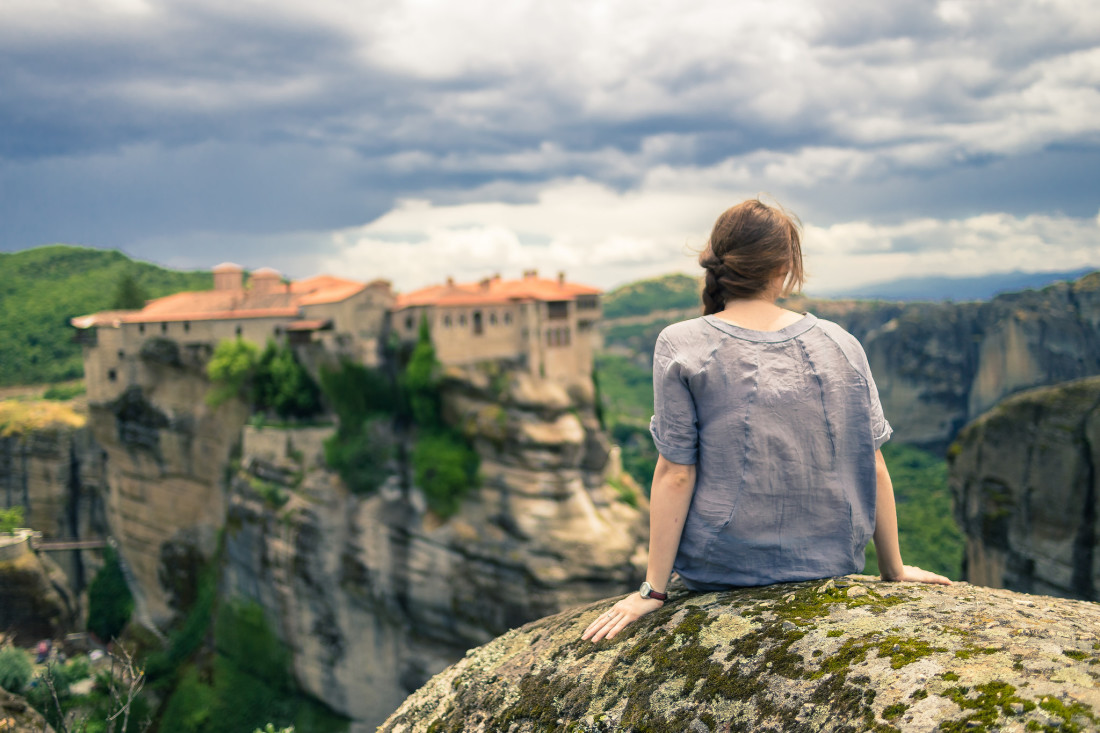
(607, 625)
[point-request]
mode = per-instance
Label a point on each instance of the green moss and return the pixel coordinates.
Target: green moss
(994, 699)
(919, 694)
(1070, 714)
(1075, 654)
(949, 676)
(970, 650)
(894, 711)
(833, 633)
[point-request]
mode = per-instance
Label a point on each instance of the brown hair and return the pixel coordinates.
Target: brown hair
(751, 244)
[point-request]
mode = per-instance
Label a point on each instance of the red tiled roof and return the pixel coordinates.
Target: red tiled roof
(208, 305)
(493, 291)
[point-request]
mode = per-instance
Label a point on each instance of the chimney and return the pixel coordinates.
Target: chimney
(228, 276)
(561, 278)
(484, 284)
(450, 282)
(530, 274)
(266, 280)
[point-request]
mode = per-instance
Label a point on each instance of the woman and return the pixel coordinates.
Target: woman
(768, 425)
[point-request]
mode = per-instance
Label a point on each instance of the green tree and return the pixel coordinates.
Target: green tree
(445, 468)
(15, 669)
(109, 601)
(282, 384)
(129, 295)
(231, 369)
(11, 518)
(422, 379)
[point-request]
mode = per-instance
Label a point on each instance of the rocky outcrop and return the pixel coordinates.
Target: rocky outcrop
(36, 601)
(56, 473)
(841, 655)
(1026, 487)
(166, 455)
(17, 715)
(374, 593)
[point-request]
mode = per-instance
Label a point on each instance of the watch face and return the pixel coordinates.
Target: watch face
(645, 589)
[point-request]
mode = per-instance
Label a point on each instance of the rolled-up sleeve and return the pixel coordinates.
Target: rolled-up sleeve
(880, 428)
(673, 425)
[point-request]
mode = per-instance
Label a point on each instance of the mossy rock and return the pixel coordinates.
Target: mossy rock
(848, 654)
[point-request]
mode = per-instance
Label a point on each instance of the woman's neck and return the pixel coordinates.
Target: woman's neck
(758, 314)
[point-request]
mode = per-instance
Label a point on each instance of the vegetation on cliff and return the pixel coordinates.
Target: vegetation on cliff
(42, 288)
(273, 382)
(109, 600)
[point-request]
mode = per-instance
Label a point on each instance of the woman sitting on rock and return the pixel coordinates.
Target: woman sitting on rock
(768, 425)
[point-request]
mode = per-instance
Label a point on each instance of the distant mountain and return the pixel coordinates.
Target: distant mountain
(944, 287)
(645, 296)
(42, 288)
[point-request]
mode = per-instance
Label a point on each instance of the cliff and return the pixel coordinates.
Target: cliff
(374, 594)
(1025, 483)
(845, 654)
(37, 603)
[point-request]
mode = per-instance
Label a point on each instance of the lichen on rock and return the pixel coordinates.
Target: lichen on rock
(799, 656)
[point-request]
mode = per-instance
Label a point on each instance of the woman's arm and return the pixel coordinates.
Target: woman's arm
(670, 497)
(886, 534)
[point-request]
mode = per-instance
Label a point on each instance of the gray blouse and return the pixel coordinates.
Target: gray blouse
(783, 428)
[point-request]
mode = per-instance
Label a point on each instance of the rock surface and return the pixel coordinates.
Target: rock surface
(374, 594)
(17, 716)
(34, 599)
(1026, 488)
(849, 654)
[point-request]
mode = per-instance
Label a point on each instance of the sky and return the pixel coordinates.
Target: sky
(418, 140)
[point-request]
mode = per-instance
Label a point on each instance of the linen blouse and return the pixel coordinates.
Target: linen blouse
(782, 427)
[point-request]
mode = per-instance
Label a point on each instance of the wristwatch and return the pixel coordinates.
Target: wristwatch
(646, 591)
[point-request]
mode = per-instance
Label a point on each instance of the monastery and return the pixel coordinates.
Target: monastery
(546, 326)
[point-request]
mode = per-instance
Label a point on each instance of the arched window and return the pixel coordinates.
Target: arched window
(477, 323)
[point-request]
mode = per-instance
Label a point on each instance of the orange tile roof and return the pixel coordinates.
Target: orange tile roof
(493, 291)
(207, 305)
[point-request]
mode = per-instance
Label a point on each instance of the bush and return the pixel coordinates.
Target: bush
(231, 369)
(11, 518)
(109, 600)
(361, 456)
(421, 381)
(280, 383)
(15, 669)
(445, 468)
(356, 393)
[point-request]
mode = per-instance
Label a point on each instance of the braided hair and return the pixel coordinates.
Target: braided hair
(751, 244)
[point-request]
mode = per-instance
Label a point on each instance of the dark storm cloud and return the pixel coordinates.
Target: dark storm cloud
(126, 123)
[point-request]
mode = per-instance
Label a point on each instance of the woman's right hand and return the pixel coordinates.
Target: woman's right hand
(913, 574)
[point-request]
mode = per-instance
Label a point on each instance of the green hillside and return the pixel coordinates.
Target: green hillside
(42, 288)
(646, 296)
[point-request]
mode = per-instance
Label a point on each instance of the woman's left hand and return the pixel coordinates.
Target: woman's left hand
(626, 611)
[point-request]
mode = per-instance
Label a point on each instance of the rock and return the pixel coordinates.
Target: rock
(17, 716)
(35, 602)
(1026, 489)
(727, 661)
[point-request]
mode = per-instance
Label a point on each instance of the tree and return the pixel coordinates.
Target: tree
(109, 601)
(422, 380)
(231, 368)
(129, 294)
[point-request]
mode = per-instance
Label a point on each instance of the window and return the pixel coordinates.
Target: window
(121, 354)
(141, 328)
(587, 302)
(493, 318)
(462, 320)
(238, 331)
(565, 336)
(409, 322)
(164, 328)
(112, 375)
(446, 321)
(508, 318)
(557, 309)
(477, 323)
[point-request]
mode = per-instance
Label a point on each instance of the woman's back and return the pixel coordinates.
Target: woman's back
(777, 425)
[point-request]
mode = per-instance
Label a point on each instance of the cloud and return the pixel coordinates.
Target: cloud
(606, 237)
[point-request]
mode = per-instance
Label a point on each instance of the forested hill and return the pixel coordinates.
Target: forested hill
(42, 288)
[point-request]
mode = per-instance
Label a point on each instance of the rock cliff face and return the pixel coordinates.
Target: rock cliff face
(841, 655)
(374, 594)
(36, 602)
(1026, 487)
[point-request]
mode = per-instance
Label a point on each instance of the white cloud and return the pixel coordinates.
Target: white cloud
(606, 238)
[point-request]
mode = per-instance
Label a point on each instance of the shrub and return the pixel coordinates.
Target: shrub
(280, 383)
(361, 456)
(15, 669)
(230, 369)
(109, 600)
(421, 381)
(445, 468)
(11, 518)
